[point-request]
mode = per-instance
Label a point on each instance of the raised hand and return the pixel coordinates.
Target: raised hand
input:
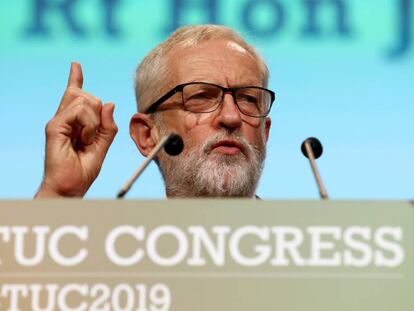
(77, 140)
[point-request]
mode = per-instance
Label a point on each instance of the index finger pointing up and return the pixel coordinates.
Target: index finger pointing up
(75, 75)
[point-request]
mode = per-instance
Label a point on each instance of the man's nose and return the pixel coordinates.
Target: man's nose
(229, 115)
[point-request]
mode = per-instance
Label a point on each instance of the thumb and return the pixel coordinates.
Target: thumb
(108, 126)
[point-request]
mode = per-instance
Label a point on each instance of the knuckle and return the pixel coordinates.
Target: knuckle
(93, 101)
(93, 119)
(81, 105)
(96, 102)
(114, 128)
(72, 90)
(50, 127)
(111, 130)
(96, 124)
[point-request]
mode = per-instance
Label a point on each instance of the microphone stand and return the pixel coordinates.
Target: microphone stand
(125, 188)
(310, 145)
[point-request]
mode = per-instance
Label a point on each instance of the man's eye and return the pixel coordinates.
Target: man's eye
(247, 98)
(200, 96)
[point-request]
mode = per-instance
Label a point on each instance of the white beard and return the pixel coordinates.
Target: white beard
(199, 172)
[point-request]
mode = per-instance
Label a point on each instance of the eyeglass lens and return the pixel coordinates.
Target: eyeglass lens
(206, 98)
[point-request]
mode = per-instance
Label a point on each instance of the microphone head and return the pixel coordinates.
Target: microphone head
(316, 147)
(174, 145)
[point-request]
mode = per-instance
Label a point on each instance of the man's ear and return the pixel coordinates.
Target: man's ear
(143, 133)
(268, 122)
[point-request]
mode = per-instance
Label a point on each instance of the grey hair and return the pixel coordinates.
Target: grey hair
(151, 72)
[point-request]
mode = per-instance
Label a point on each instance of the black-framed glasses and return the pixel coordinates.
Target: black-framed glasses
(203, 97)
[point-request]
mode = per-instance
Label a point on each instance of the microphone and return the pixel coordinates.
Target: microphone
(173, 145)
(312, 149)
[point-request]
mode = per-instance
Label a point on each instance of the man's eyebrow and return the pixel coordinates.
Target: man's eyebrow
(233, 85)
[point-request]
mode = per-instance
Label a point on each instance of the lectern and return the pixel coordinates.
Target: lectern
(206, 255)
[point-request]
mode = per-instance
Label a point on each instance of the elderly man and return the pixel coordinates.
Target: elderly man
(204, 83)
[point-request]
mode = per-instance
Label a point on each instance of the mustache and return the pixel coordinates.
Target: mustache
(208, 144)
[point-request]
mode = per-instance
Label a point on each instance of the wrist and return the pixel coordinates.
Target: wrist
(47, 192)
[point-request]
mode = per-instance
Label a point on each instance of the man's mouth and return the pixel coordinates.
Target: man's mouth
(229, 147)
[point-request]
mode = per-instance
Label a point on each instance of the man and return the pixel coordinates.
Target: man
(204, 83)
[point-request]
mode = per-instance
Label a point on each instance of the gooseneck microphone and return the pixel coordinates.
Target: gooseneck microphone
(173, 145)
(312, 149)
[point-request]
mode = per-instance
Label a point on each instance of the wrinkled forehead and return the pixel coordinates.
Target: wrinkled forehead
(213, 45)
(211, 57)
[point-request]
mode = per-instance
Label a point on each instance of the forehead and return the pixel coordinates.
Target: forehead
(222, 62)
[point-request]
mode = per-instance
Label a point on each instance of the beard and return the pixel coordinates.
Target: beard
(201, 172)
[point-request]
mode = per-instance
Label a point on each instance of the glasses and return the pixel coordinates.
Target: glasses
(202, 97)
